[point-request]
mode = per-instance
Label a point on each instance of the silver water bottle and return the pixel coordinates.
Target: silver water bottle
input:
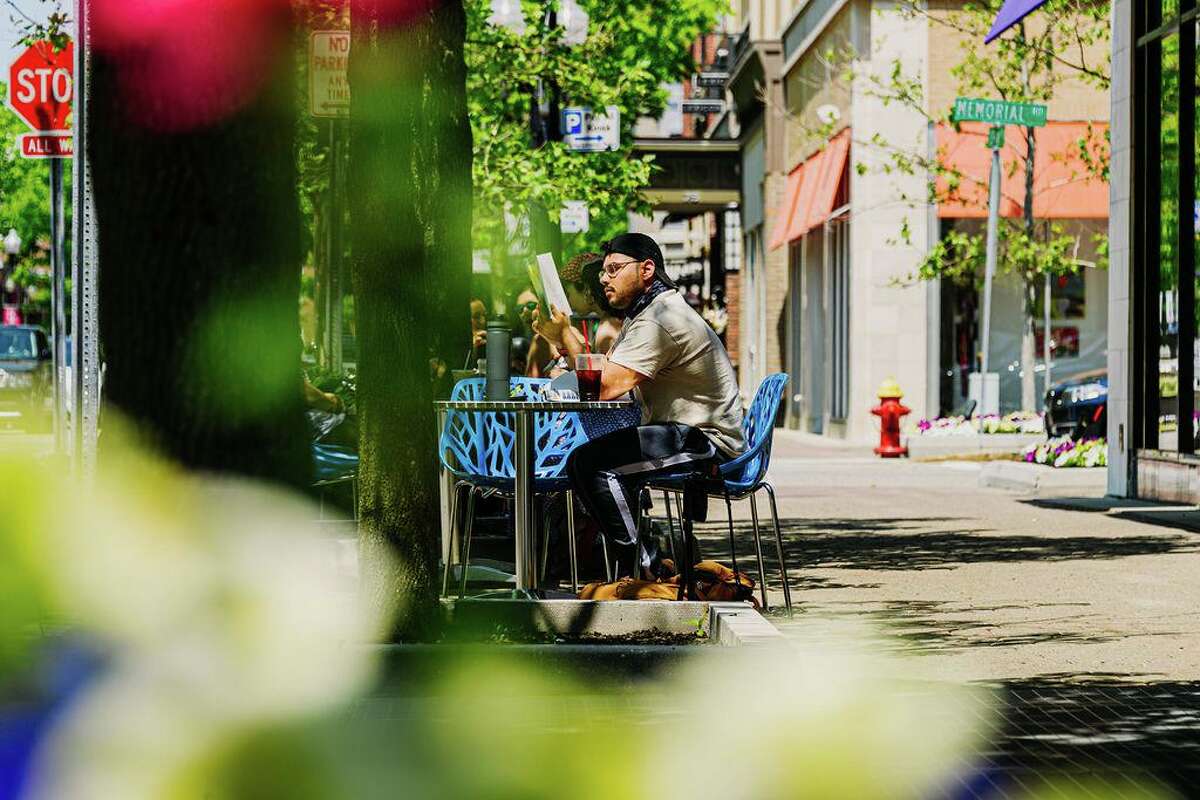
(499, 345)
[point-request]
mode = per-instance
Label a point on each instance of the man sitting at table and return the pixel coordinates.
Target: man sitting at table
(676, 367)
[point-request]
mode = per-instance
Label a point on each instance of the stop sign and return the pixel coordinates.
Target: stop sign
(41, 87)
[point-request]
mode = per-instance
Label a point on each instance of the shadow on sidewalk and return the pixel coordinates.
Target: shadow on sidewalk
(1164, 515)
(890, 544)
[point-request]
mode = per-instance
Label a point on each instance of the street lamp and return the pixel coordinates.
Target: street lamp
(571, 16)
(574, 21)
(12, 242)
(507, 14)
(8, 289)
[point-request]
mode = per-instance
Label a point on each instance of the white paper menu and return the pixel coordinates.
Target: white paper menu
(547, 286)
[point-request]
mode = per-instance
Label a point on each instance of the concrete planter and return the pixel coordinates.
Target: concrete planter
(1021, 476)
(724, 624)
(979, 444)
(529, 629)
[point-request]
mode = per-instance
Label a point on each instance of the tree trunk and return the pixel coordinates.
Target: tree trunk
(1030, 285)
(410, 195)
(200, 275)
(1029, 345)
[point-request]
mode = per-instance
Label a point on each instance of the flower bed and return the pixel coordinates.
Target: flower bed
(1065, 452)
(1017, 422)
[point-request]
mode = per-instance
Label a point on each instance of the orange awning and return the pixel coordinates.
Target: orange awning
(825, 195)
(811, 191)
(1063, 187)
(795, 182)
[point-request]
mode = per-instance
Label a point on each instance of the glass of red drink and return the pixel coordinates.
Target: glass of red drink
(588, 368)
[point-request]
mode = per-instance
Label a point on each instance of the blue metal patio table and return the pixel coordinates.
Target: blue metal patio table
(523, 463)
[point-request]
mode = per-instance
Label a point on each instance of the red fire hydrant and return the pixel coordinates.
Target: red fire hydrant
(889, 411)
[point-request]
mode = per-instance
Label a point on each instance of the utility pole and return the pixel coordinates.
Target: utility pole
(995, 142)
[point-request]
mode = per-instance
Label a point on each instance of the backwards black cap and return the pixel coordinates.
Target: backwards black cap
(643, 248)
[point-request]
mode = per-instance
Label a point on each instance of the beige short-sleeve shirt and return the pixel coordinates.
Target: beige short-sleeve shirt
(691, 379)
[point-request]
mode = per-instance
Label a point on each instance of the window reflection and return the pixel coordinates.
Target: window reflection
(1168, 264)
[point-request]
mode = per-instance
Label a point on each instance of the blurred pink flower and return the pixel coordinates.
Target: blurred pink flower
(186, 64)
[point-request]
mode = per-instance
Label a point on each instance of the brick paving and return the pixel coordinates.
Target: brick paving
(1085, 622)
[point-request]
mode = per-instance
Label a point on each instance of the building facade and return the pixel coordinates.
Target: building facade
(1152, 300)
(827, 289)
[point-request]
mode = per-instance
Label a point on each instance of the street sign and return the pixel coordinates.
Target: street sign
(999, 112)
(694, 106)
(46, 145)
(328, 67)
(575, 217)
(718, 79)
(995, 139)
(588, 132)
(41, 87)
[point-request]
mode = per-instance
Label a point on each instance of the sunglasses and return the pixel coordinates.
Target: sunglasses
(611, 270)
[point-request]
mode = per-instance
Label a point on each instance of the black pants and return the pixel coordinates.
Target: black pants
(608, 473)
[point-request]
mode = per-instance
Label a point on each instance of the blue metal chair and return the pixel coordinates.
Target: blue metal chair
(477, 448)
(334, 466)
(745, 476)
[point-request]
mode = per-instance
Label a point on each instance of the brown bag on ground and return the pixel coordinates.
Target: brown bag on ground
(628, 589)
(715, 582)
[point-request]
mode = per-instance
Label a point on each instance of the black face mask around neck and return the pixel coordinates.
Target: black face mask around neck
(652, 291)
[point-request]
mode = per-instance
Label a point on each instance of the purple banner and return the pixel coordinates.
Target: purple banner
(1012, 13)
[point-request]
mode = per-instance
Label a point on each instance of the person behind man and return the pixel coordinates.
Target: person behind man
(478, 330)
(674, 364)
(580, 278)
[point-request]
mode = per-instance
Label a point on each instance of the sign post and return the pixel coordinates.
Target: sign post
(329, 98)
(40, 90)
(575, 217)
(587, 132)
(328, 74)
(986, 389)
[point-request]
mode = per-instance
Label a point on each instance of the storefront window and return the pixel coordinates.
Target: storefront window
(1167, 199)
(1195, 228)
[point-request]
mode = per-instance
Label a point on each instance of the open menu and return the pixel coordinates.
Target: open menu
(547, 286)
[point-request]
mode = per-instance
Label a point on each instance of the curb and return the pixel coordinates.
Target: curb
(740, 625)
(1019, 476)
(992, 443)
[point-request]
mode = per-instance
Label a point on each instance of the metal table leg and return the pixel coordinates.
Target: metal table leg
(523, 510)
(573, 556)
(447, 489)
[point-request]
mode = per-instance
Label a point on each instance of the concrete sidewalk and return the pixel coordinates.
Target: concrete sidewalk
(978, 583)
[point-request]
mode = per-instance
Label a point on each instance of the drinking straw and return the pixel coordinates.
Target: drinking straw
(587, 345)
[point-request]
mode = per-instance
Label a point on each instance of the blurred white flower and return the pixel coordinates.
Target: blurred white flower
(832, 719)
(225, 611)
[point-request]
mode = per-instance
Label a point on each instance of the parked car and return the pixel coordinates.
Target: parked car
(1078, 406)
(26, 377)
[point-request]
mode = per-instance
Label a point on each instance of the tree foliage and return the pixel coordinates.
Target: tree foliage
(25, 208)
(1025, 65)
(632, 48)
